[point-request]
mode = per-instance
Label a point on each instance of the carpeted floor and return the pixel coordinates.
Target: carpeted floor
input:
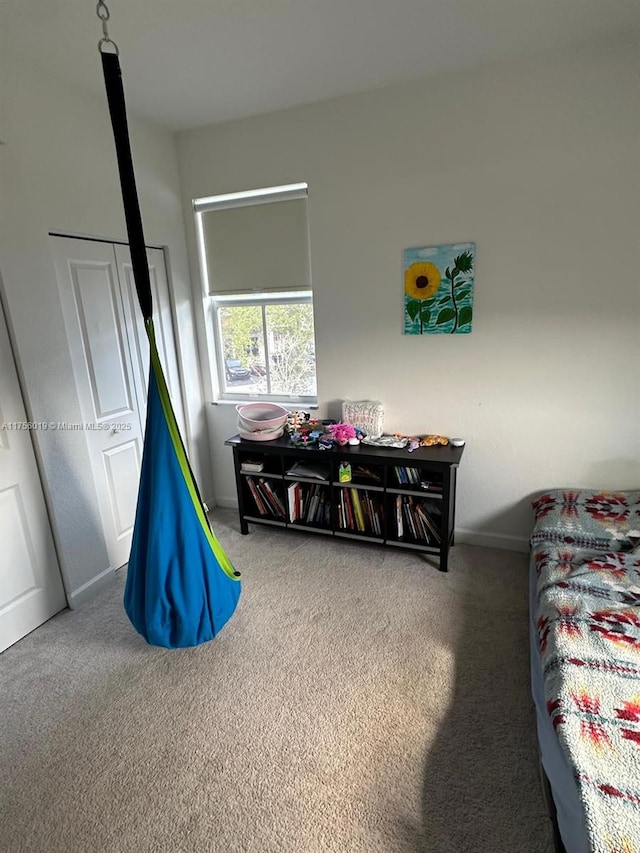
(359, 700)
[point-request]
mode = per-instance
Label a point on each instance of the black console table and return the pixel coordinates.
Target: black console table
(393, 497)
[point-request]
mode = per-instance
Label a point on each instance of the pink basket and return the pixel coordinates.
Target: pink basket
(261, 421)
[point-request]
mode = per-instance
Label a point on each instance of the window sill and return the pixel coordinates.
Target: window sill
(287, 403)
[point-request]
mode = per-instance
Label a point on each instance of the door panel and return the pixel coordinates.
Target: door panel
(105, 380)
(97, 302)
(122, 465)
(18, 551)
(30, 583)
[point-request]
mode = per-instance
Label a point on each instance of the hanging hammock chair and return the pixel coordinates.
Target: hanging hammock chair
(181, 587)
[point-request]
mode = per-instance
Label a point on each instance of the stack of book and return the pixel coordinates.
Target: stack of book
(266, 499)
(309, 504)
(252, 466)
(407, 476)
(414, 519)
(309, 471)
(357, 511)
(413, 477)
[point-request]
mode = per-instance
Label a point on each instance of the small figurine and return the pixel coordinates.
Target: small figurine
(344, 473)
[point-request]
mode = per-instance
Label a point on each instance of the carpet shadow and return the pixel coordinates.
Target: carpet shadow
(481, 790)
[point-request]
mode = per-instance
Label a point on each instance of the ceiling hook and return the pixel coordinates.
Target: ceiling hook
(102, 11)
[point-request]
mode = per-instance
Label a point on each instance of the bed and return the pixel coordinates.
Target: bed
(585, 664)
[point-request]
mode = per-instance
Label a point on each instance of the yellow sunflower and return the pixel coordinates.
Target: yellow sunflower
(421, 280)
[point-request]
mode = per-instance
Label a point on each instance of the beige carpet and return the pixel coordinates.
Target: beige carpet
(359, 700)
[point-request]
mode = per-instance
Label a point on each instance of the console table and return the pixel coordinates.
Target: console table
(393, 497)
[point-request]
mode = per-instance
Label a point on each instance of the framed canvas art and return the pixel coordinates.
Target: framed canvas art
(438, 289)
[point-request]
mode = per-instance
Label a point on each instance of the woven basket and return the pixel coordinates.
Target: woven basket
(261, 421)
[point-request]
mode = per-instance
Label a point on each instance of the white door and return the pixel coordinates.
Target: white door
(107, 381)
(30, 583)
(110, 357)
(163, 325)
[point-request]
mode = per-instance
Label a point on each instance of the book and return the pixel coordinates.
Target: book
(264, 500)
(357, 510)
(422, 530)
(304, 469)
(272, 498)
(256, 497)
(252, 466)
(409, 519)
(364, 473)
(351, 524)
(369, 513)
(431, 487)
(313, 504)
(431, 527)
(293, 497)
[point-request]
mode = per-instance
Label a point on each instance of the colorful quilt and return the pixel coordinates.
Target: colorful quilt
(586, 552)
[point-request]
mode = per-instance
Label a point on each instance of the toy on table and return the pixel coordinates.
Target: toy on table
(342, 433)
(415, 441)
(432, 440)
(303, 430)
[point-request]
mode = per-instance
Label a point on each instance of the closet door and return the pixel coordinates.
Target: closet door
(30, 583)
(163, 325)
(107, 380)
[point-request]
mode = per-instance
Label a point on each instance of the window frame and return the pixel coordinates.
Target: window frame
(262, 298)
(293, 297)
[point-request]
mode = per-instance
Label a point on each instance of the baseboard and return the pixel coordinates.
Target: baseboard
(229, 503)
(87, 591)
(492, 540)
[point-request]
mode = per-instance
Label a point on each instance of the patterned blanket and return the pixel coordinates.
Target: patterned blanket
(585, 548)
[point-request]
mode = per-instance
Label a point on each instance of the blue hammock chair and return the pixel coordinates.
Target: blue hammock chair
(181, 586)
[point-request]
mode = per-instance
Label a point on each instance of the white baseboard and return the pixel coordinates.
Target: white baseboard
(229, 503)
(504, 541)
(87, 591)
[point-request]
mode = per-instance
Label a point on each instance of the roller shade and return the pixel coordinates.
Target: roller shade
(260, 245)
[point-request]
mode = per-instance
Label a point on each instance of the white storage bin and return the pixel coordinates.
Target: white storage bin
(366, 415)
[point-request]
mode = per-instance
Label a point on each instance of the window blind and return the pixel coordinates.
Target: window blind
(256, 243)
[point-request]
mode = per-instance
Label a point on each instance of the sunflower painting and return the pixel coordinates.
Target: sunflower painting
(438, 289)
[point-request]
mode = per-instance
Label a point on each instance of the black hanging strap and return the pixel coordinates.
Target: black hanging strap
(118, 112)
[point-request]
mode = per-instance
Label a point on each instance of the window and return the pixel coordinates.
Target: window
(254, 255)
(267, 345)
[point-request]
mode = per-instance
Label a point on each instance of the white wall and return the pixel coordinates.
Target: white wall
(59, 174)
(537, 162)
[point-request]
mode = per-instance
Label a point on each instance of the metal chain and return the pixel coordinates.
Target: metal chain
(102, 11)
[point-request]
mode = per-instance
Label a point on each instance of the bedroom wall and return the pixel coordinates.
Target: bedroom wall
(59, 173)
(537, 162)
